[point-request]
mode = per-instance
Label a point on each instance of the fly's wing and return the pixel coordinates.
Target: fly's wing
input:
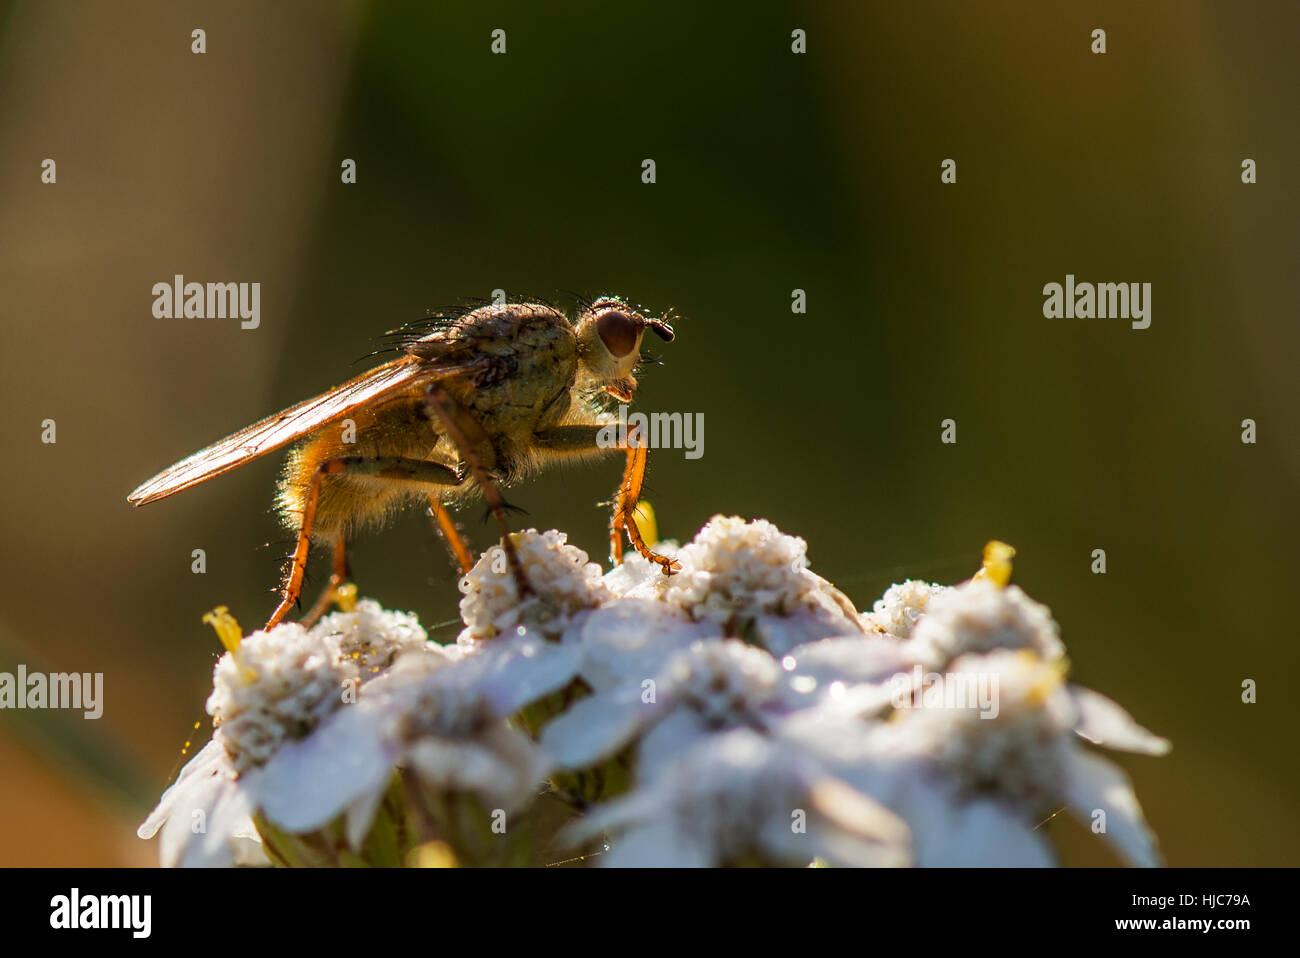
(293, 423)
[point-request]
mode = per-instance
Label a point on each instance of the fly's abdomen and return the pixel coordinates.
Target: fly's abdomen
(346, 502)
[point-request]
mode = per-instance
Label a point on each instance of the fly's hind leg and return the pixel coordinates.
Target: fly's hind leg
(476, 451)
(456, 543)
(338, 575)
(395, 469)
(582, 440)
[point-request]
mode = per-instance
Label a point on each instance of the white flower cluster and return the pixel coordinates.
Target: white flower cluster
(561, 577)
(738, 712)
(749, 579)
(275, 687)
(270, 698)
(895, 612)
(980, 617)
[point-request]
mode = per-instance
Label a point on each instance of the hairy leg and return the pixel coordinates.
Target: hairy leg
(338, 575)
(403, 470)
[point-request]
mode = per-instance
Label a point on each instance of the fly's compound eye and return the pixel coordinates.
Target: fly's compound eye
(619, 332)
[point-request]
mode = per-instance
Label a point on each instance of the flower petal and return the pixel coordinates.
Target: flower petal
(978, 833)
(657, 844)
(848, 659)
(1097, 784)
(445, 766)
(518, 671)
(1104, 722)
(779, 634)
(207, 763)
(632, 639)
(307, 784)
(231, 815)
(593, 729)
(671, 737)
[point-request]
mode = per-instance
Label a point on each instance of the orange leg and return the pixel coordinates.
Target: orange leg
(467, 436)
(451, 535)
(293, 582)
(380, 467)
(338, 576)
(581, 440)
(618, 518)
(629, 491)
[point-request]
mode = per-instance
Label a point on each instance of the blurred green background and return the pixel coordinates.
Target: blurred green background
(775, 172)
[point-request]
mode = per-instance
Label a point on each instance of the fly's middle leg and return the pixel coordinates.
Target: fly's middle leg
(476, 451)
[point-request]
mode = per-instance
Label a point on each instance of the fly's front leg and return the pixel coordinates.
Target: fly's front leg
(398, 470)
(475, 450)
(629, 493)
(583, 440)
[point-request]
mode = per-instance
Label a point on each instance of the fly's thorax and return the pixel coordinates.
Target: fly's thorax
(487, 330)
(528, 376)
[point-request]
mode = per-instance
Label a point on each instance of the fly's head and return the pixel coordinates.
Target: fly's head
(609, 345)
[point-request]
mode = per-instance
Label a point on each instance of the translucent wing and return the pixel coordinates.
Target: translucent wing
(293, 423)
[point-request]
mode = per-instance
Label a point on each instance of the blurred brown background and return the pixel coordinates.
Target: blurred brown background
(775, 171)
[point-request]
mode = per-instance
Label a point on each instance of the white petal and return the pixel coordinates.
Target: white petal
(593, 729)
(307, 784)
(848, 659)
(668, 740)
(248, 852)
(781, 633)
(982, 833)
(844, 826)
(948, 829)
(467, 767)
(529, 763)
(189, 814)
(246, 846)
(207, 763)
(840, 847)
(631, 810)
(1097, 784)
(518, 671)
(632, 639)
(231, 815)
(1105, 723)
(360, 815)
(856, 812)
(178, 837)
(853, 851)
(656, 845)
